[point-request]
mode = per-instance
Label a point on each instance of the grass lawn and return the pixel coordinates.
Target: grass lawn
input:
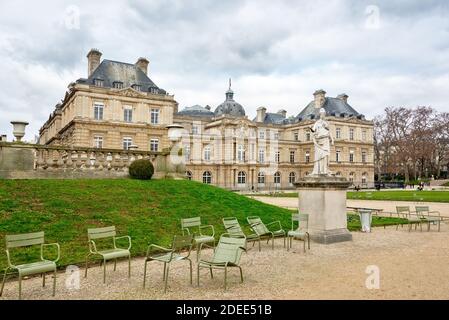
(148, 211)
(405, 195)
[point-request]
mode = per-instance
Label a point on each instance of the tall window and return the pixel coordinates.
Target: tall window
(296, 135)
(261, 134)
(338, 133)
(241, 153)
(127, 142)
(292, 156)
(363, 156)
(187, 152)
(276, 136)
(351, 134)
(277, 178)
(207, 177)
(98, 142)
(261, 178)
(241, 177)
(364, 135)
(338, 155)
(261, 155)
(351, 176)
(98, 111)
(154, 145)
(351, 156)
(154, 116)
(364, 178)
(307, 136)
(195, 130)
(291, 177)
(128, 114)
(307, 156)
(207, 153)
(277, 157)
(188, 175)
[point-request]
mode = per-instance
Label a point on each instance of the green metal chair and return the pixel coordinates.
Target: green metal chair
(107, 254)
(38, 267)
(412, 219)
(234, 230)
(169, 255)
(301, 231)
(263, 231)
(194, 227)
(226, 255)
(431, 217)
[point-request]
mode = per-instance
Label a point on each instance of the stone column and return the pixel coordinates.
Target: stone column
(323, 198)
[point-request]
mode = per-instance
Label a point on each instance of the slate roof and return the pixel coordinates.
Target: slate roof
(273, 118)
(196, 111)
(334, 107)
(129, 74)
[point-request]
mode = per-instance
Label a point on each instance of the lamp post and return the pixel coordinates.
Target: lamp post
(19, 129)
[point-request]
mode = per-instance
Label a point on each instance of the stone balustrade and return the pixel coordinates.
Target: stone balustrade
(19, 160)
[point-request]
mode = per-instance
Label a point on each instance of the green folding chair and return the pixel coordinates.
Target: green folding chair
(263, 231)
(194, 227)
(41, 266)
(114, 253)
(300, 232)
(227, 254)
(234, 230)
(430, 217)
(412, 219)
(169, 255)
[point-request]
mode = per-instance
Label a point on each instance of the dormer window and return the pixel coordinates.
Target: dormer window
(98, 82)
(117, 85)
(137, 87)
(153, 90)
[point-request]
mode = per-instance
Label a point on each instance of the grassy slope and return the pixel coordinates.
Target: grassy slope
(148, 211)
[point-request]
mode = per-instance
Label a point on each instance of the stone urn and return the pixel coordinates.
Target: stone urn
(174, 132)
(19, 129)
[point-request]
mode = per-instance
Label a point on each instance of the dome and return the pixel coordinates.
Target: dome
(230, 106)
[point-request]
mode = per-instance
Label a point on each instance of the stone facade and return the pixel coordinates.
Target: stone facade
(224, 147)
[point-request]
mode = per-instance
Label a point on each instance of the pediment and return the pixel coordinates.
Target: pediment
(130, 92)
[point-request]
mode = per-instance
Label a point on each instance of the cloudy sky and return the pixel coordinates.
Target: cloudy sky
(381, 53)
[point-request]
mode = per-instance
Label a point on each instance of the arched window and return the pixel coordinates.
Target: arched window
(277, 177)
(188, 175)
(364, 177)
(241, 177)
(261, 177)
(291, 177)
(207, 177)
(351, 176)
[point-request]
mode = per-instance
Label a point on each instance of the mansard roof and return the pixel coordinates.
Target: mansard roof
(336, 107)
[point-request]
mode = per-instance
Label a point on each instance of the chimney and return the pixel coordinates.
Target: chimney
(343, 97)
(142, 64)
(320, 98)
(93, 61)
(261, 114)
(283, 113)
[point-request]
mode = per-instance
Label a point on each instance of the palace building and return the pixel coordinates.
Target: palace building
(118, 107)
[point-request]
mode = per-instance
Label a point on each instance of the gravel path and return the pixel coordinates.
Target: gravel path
(412, 266)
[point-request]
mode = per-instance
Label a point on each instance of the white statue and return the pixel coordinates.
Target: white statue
(322, 139)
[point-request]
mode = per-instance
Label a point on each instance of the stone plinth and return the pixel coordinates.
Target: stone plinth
(323, 198)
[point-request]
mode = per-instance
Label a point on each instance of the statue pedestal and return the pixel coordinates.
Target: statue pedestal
(323, 198)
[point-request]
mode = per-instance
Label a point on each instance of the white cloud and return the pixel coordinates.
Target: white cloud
(277, 52)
